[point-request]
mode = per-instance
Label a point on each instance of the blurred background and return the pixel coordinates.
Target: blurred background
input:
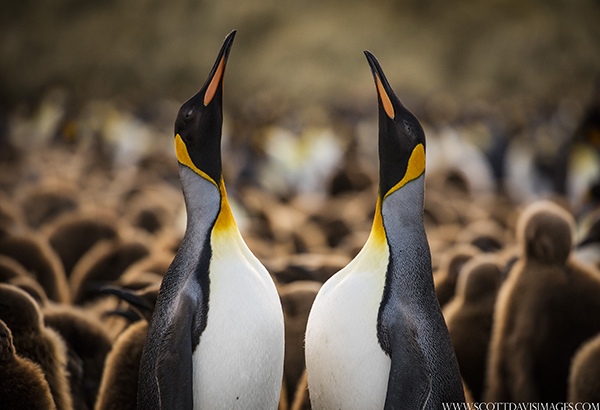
(100, 70)
(507, 91)
(306, 51)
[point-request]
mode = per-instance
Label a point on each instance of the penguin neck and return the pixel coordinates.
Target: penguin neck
(207, 207)
(395, 213)
(404, 230)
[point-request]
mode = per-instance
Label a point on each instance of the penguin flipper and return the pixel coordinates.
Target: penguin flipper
(409, 384)
(174, 361)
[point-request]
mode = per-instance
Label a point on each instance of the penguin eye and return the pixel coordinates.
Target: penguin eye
(188, 114)
(408, 127)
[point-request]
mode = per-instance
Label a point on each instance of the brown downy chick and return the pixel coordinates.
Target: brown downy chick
(548, 306)
(87, 343)
(446, 276)
(22, 382)
(103, 264)
(118, 389)
(73, 235)
(35, 342)
(469, 317)
(44, 203)
(584, 377)
(38, 258)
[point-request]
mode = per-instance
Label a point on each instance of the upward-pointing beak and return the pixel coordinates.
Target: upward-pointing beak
(384, 90)
(215, 78)
(199, 122)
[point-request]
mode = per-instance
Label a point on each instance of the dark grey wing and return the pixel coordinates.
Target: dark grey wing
(409, 383)
(166, 367)
(174, 367)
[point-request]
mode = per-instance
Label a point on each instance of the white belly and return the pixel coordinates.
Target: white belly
(239, 361)
(347, 369)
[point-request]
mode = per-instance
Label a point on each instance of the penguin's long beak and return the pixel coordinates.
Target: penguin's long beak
(401, 137)
(215, 78)
(199, 122)
(386, 96)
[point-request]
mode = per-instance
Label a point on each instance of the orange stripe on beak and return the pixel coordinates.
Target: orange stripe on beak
(385, 99)
(214, 83)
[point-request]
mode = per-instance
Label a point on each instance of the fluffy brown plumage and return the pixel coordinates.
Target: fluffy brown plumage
(32, 287)
(72, 235)
(584, 377)
(87, 346)
(22, 382)
(38, 258)
(35, 342)
(101, 265)
(118, 388)
(469, 318)
(10, 268)
(446, 277)
(45, 202)
(548, 306)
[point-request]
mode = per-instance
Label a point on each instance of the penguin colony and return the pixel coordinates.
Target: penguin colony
(109, 299)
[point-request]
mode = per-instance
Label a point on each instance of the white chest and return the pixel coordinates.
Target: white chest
(347, 367)
(239, 361)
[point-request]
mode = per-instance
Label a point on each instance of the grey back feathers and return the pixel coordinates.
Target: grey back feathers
(415, 305)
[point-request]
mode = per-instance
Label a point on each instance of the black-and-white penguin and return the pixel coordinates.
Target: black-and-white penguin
(216, 339)
(376, 337)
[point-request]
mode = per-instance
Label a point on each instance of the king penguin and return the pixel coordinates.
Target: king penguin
(216, 338)
(376, 337)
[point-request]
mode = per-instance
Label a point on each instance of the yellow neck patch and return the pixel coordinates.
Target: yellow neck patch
(225, 219)
(415, 168)
(377, 235)
(183, 156)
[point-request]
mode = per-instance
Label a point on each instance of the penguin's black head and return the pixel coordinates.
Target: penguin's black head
(200, 119)
(401, 137)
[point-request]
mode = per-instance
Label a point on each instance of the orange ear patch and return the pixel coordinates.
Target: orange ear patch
(385, 99)
(415, 168)
(183, 156)
(214, 83)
